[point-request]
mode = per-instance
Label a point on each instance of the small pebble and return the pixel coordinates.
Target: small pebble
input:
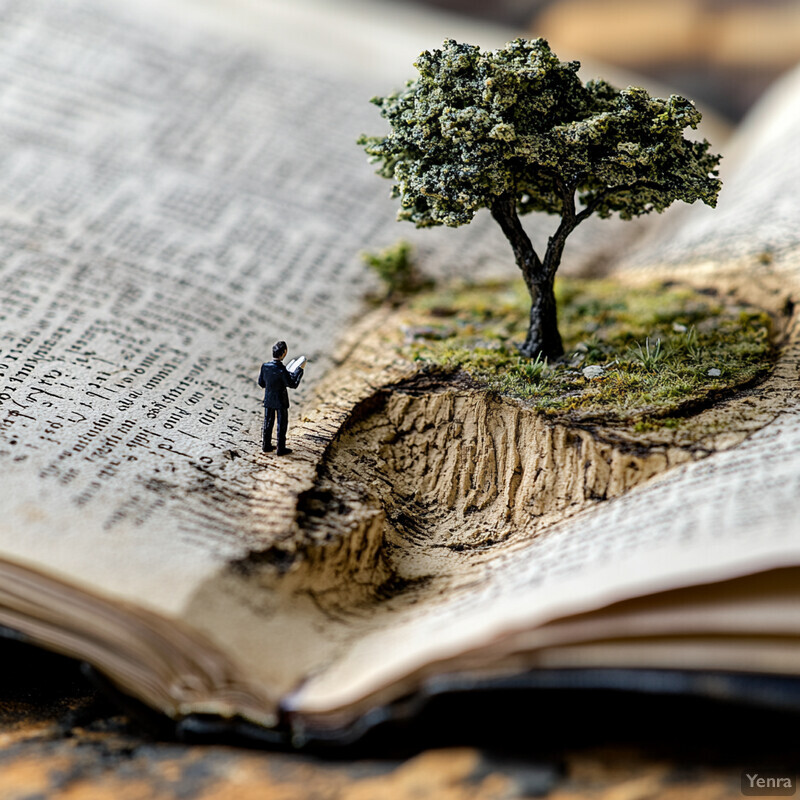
(714, 372)
(678, 328)
(592, 371)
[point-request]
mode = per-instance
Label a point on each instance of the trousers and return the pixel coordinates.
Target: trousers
(269, 424)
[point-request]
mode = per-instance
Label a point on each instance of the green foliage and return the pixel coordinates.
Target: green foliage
(395, 267)
(475, 126)
(655, 346)
(534, 370)
(648, 356)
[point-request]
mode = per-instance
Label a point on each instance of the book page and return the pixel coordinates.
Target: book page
(733, 513)
(171, 205)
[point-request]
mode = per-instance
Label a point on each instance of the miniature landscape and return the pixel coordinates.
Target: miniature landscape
(456, 463)
(449, 442)
(439, 448)
(648, 355)
(515, 131)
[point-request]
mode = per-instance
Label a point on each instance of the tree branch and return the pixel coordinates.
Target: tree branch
(504, 211)
(592, 206)
(555, 244)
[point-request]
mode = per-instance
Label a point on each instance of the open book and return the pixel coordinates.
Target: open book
(176, 202)
(296, 363)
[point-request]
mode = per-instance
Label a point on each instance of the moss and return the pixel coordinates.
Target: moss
(397, 270)
(658, 347)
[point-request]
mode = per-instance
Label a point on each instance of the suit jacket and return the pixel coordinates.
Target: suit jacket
(274, 379)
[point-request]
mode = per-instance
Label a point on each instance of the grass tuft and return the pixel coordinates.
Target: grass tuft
(648, 357)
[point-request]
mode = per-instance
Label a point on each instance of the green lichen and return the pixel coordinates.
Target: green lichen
(658, 348)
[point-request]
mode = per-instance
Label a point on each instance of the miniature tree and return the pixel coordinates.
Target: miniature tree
(515, 130)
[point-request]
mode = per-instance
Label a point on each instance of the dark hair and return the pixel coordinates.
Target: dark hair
(278, 349)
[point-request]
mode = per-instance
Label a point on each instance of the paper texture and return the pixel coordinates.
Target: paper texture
(172, 205)
(754, 225)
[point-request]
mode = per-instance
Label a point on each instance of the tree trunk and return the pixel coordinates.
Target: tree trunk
(543, 337)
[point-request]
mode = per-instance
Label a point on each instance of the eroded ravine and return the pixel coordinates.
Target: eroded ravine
(431, 476)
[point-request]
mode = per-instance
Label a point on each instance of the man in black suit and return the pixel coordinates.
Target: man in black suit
(275, 379)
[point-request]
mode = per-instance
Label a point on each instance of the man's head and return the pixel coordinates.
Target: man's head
(279, 350)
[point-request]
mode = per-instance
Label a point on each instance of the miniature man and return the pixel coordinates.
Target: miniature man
(274, 379)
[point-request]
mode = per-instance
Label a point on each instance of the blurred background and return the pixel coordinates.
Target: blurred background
(722, 53)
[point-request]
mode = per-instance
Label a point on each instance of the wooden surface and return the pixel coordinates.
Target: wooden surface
(61, 739)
